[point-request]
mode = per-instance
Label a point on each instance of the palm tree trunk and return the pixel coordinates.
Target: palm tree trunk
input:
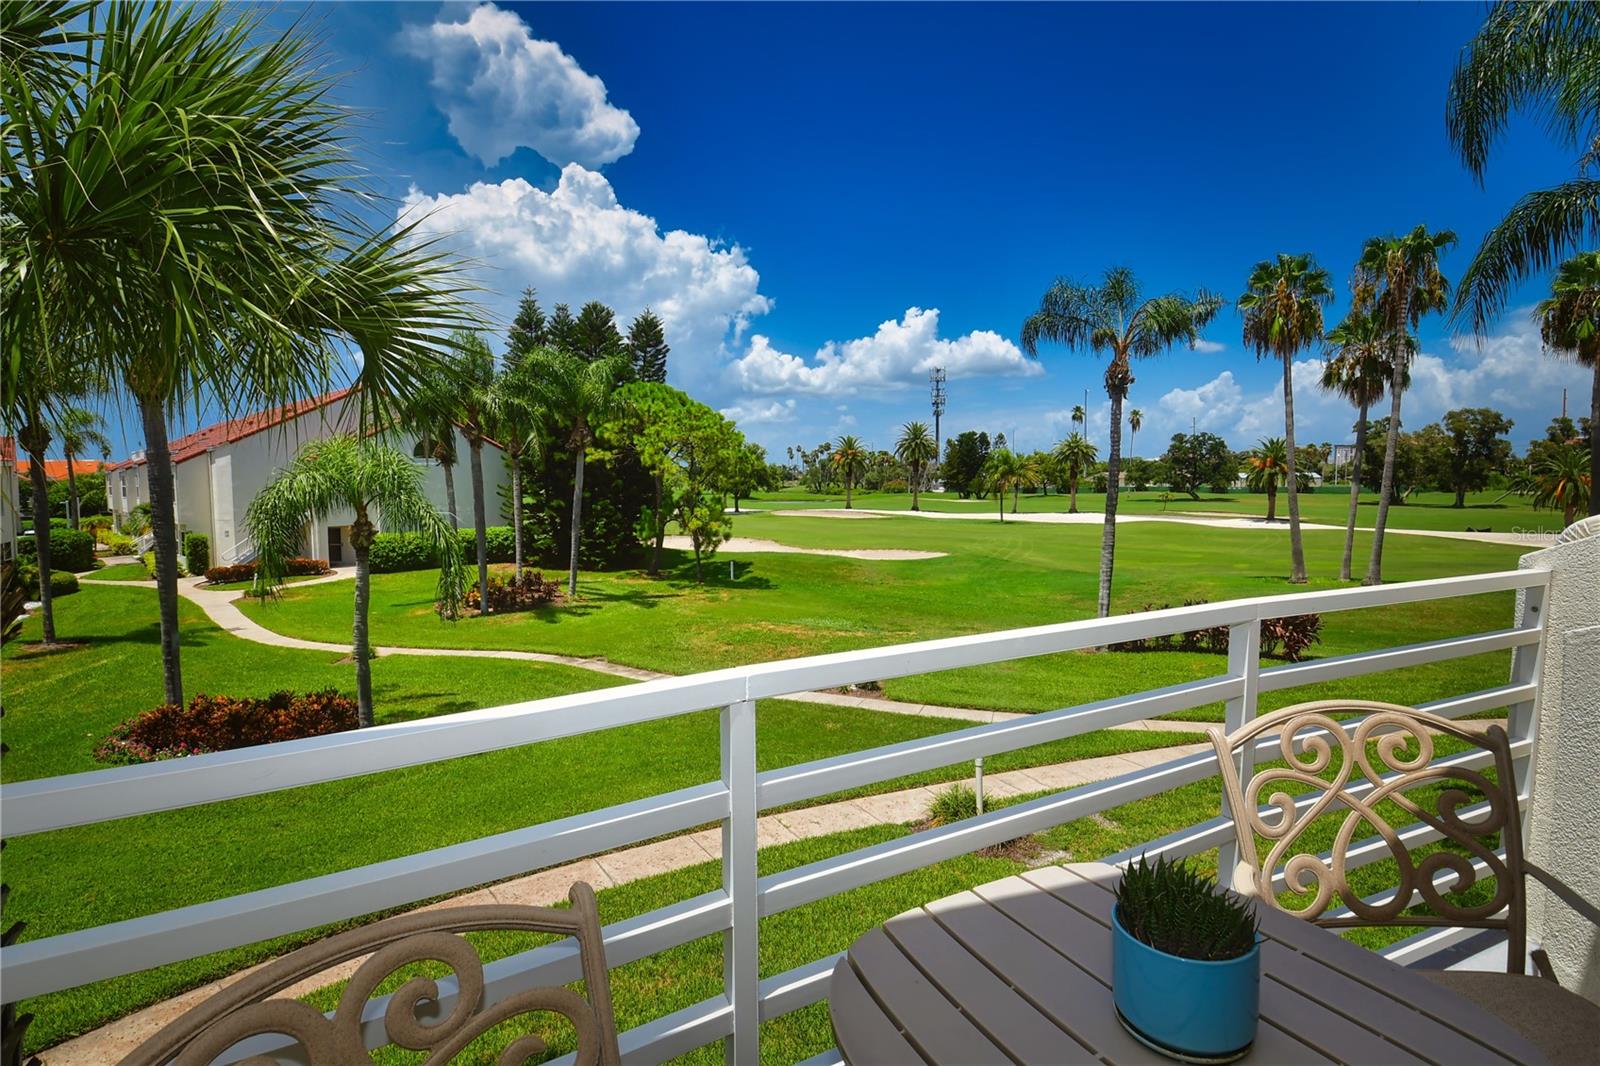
(1272, 499)
(36, 440)
(577, 523)
(516, 512)
(361, 540)
(1594, 442)
(164, 528)
(1072, 500)
(1016, 497)
(1000, 495)
(1386, 487)
(1297, 550)
(449, 466)
(1355, 493)
(849, 496)
(72, 493)
(480, 524)
(1108, 537)
(661, 526)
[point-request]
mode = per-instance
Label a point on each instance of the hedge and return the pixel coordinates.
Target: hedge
(70, 549)
(393, 552)
(62, 583)
(197, 552)
(149, 560)
(117, 543)
(299, 566)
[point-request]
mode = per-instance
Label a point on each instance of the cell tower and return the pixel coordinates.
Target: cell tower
(936, 380)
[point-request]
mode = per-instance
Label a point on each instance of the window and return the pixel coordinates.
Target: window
(424, 448)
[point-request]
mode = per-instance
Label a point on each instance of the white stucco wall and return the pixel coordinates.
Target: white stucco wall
(10, 510)
(1564, 823)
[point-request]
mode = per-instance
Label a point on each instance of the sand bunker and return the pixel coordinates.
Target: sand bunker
(751, 544)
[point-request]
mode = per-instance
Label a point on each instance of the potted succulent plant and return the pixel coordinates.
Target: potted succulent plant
(1185, 963)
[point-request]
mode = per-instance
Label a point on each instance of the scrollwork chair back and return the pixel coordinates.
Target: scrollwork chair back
(245, 1009)
(1386, 756)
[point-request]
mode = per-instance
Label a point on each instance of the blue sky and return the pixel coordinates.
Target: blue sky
(823, 199)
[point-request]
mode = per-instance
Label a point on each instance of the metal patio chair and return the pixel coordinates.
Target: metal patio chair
(246, 1008)
(1388, 755)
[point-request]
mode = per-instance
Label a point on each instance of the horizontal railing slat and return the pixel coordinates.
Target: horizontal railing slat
(35, 967)
(800, 987)
(1372, 662)
(807, 780)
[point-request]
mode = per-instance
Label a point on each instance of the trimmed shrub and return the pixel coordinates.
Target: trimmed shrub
(149, 561)
(221, 723)
(511, 594)
(117, 543)
(62, 582)
(1294, 634)
(393, 552)
(70, 549)
(300, 566)
(197, 552)
(60, 523)
(226, 575)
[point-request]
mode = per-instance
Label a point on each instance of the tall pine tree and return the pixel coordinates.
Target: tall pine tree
(647, 344)
(595, 335)
(561, 329)
(529, 330)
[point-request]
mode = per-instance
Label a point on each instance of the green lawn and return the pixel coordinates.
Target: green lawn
(994, 577)
(59, 704)
(122, 572)
(1329, 505)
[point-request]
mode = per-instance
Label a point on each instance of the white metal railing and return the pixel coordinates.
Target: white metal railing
(735, 800)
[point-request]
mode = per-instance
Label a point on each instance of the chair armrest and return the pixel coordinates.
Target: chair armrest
(1565, 894)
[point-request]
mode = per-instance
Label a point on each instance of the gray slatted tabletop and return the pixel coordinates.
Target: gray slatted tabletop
(1020, 970)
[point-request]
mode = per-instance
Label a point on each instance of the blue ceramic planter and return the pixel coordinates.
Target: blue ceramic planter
(1191, 1010)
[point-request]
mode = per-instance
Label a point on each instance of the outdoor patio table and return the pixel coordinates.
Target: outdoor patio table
(1020, 970)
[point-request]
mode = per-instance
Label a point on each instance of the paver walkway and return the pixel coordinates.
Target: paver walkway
(116, 1039)
(1215, 519)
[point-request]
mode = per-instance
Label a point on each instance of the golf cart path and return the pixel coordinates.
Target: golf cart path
(221, 607)
(1085, 518)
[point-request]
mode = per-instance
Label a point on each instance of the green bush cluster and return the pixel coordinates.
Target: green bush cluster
(393, 552)
(197, 552)
(62, 583)
(149, 560)
(117, 543)
(71, 550)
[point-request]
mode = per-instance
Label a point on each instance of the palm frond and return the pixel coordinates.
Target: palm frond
(1541, 228)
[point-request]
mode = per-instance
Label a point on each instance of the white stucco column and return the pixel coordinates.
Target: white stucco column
(1564, 829)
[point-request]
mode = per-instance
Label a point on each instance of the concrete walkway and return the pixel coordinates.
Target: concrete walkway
(221, 606)
(116, 1039)
(1213, 519)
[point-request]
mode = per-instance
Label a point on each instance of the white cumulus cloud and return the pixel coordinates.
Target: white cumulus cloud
(576, 243)
(1210, 347)
(760, 412)
(900, 353)
(502, 88)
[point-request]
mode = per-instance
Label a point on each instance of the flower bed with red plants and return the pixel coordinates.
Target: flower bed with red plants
(1287, 638)
(296, 567)
(517, 594)
(220, 723)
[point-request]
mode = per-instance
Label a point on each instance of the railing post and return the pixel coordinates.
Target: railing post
(1244, 662)
(741, 961)
(1522, 718)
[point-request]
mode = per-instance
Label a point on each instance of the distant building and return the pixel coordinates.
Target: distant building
(56, 469)
(10, 499)
(219, 470)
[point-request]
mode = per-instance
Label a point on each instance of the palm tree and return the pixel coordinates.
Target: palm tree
(1282, 308)
(1268, 467)
(1400, 280)
(81, 430)
(1358, 369)
(1569, 322)
(1077, 457)
(1112, 318)
(1080, 417)
(1560, 479)
(1135, 424)
(203, 237)
(1538, 57)
(851, 458)
(516, 427)
(574, 397)
(1006, 470)
(366, 477)
(473, 406)
(916, 449)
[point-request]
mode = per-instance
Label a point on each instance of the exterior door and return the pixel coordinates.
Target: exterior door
(335, 545)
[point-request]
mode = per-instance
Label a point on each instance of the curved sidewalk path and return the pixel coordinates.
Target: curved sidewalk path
(221, 607)
(1213, 519)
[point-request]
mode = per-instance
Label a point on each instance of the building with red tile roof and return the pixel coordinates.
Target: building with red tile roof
(218, 470)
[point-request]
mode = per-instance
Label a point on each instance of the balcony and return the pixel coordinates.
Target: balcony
(1550, 694)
